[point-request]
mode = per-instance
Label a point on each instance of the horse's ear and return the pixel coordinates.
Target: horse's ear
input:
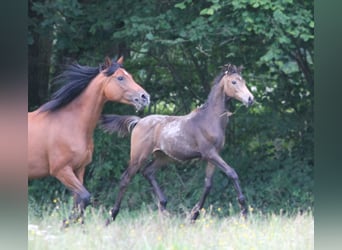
(120, 60)
(239, 69)
(108, 62)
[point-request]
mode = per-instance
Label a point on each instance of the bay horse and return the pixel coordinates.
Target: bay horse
(199, 134)
(60, 132)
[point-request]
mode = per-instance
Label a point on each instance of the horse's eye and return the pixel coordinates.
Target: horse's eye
(234, 82)
(120, 78)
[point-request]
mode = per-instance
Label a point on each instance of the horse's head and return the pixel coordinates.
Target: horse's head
(121, 86)
(235, 85)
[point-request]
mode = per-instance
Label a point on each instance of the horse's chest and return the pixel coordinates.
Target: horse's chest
(82, 152)
(218, 140)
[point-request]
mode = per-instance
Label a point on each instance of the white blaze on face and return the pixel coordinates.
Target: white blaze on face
(125, 72)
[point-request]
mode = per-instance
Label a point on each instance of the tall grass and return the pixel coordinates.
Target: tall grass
(146, 229)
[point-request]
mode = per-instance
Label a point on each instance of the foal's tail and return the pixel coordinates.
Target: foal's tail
(122, 124)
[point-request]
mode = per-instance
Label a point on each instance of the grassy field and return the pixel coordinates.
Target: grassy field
(148, 230)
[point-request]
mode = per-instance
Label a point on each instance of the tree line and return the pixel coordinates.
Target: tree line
(174, 49)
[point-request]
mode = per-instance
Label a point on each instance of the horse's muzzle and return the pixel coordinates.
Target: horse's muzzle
(141, 101)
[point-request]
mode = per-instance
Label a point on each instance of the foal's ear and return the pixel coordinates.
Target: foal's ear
(120, 60)
(239, 69)
(107, 63)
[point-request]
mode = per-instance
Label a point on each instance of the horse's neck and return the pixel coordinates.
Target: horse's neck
(216, 105)
(88, 106)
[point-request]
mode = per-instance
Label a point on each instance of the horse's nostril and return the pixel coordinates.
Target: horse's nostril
(144, 97)
(250, 100)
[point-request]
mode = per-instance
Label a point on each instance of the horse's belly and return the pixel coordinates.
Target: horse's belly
(37, 163)
(179, 149)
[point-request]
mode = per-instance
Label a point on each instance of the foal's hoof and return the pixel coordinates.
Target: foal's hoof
(164, 213)
(244, 214)
(194, 216)
(65, 224)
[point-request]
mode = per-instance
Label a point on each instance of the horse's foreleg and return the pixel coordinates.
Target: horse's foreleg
(209, 172)
(149, 173)
(214, 158)
(67, 176)
(80, 203)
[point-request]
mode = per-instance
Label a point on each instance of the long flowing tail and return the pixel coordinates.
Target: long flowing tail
(121, 124)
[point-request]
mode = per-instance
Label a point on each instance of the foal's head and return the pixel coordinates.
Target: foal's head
(235, 85)
(121, 86)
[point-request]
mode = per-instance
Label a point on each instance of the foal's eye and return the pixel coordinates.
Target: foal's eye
(234, 82)
(120, 78)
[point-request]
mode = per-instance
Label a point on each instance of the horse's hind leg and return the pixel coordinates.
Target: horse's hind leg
(124, 181)
(149, 173)
(209, 172)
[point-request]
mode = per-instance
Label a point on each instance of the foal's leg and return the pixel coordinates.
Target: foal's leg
(149, 173)
(214, 158)
(209, 172)
(124, 181)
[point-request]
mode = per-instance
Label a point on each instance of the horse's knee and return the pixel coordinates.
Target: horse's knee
(232, 174)
(125, 179)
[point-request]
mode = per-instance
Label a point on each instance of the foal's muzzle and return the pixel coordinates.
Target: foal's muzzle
(250, 101)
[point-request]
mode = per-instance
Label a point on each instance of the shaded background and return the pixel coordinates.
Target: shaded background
(328, 137)
(174, 49)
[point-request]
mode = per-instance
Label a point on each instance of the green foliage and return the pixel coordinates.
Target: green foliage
(175, 49)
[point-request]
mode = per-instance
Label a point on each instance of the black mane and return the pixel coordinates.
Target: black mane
(77, 78)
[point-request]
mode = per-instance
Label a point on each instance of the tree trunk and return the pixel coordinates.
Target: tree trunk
(39, 54)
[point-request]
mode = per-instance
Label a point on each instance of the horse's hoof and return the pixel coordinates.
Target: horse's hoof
(107, 222)
(164, 213)
(193, 216)
(65, 224)
(244, 214)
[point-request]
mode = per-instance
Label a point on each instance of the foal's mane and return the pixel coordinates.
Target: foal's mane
(227, 69)
(77, 78)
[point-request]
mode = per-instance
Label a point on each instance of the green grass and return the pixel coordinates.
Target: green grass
(147, 229)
